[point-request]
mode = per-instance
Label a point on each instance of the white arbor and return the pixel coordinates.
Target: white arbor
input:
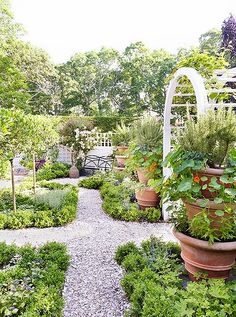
(202, 94)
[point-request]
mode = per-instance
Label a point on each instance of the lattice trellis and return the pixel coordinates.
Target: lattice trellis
(201, 94)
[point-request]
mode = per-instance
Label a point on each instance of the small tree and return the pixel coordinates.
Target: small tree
(14, 136)
(43, 135)
(80, 140)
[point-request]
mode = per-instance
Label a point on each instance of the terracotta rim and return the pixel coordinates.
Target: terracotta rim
(212, 171)
(217, 246)
(210, 204)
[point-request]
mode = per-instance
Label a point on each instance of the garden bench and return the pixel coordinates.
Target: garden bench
(94, 163)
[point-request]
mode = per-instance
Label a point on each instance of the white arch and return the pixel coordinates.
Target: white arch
(202, 104)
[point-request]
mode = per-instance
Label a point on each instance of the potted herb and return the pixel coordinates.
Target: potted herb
(204, 177)
(145, 158)
(121, 139)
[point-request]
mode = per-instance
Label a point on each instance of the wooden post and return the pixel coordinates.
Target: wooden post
(13, 185)
(34, 175)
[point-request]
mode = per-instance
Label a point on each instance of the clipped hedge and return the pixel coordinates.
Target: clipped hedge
(156, 284)
(103, 123)
(92, 182)
(118, 202)
(32, 214)
(32, 280)
(53, 170)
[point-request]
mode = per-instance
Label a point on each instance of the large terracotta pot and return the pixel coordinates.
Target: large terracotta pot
(193, 208)
(147, 197)
(209, 173)
(143, 175)
(74, 172)
(121, 149)
(215, 260)
(121, 160)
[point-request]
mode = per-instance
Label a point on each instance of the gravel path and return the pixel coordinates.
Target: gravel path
(92, 286)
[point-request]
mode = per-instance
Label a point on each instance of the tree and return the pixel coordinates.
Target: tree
(9, 30)
(40, 74)
(14, 135)
(210, 42)
(141, 78)
(42, 136)
(13, 86)
(229, 39)
(87, 78)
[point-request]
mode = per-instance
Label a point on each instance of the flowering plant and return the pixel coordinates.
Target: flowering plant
(148, 159)
(187, 183)
(78, 139)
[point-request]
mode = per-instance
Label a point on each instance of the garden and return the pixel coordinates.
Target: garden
(154, 233)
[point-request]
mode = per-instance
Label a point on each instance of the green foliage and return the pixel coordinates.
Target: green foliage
(210, 41)
(109, 123)
(92, 182)
(54, 199)
(213, 135)
(31, 280)
(133, 81)
(147, 132)
(52, 208)
(154, 286)
(4, 168)
(121, 135)
(118, 201)
(124, 250)
(53, 170)
(148, 159)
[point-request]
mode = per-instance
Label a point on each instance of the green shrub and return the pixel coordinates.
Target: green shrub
(92, 182)
(32, 280)
(124, 250)
(154, 285)
(118, 203)
(52, 198)
(55, 207)
(52, 171)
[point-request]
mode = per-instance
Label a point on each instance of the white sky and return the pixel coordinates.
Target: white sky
(64, 27)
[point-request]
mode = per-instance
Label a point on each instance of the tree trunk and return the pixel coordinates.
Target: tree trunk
(34, 175)
(13, 185)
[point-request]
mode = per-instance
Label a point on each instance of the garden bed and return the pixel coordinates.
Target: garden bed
(31, 280)
(157, 285)
(53, 205)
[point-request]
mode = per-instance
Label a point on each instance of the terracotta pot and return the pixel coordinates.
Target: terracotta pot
(147, 197)
(143, 175)
(122, 149)
(74, 172)
(215, 260)
(121, 160)
(209, 173)
(118, 169)
(193, 208)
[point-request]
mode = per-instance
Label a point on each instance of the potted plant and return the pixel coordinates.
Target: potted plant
(145, 158)
(204, 178)
(121, 139)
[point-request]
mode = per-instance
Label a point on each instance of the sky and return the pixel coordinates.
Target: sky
(65, 27)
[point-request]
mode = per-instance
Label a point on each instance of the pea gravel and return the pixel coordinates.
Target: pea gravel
(92, 286)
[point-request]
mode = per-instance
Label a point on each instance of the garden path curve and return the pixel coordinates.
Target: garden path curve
(92, 287)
